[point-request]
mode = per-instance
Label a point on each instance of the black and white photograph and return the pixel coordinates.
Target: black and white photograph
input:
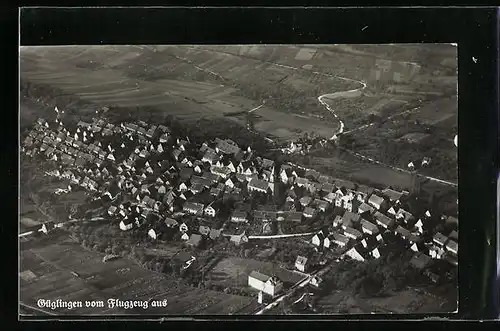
(252, 179)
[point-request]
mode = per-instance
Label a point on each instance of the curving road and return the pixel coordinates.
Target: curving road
(340, 94)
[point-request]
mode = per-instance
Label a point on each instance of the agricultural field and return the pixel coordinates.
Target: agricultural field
(54, 267)
(428, 131)
(38, 201)
(233, 272)
(180, 91)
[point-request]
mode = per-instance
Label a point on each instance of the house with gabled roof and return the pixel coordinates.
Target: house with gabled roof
(377, 202)
(302, 182)
(215, 233)
(352, 233)
(210, 210)
(265, 284)
(363, 193)
(170, 222)
(286, 175)
(194, 240)
(126, 224)
(227, 147)
(337, 221)
(345, 184)
(239, 239)
(450, 220)
(223, 172)
(420, 261)
(204, 230)
(318, 239)
(258, 185)
(305, 201)
(239, 216)
(301, 263)
(383, 220)
(452, 246)
(337, 239)
(453, 235)
(321, 205)
(330, 197)
(294, 216)
(356, 253)
(309, 212)
(393, 195)
(393, 210)
(365, 208)
(404, 216)
(439, 239)
(352, 217)
(193, 208)
(402, 232)
(369, 228)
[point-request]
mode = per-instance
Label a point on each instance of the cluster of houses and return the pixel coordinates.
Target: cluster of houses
(150, 178)
(146, 175)
(375, 217)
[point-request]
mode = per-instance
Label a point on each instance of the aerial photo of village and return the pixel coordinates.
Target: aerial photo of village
(179, 180)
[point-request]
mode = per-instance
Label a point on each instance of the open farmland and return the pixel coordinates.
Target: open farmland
(427, 131)
(233, 272)
(180, 91)
(47, 263)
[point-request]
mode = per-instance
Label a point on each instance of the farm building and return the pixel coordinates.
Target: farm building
(266, 284)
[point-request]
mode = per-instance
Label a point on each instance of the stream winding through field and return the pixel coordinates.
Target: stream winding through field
(334, 95)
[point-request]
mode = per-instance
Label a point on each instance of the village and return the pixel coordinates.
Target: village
(140, 176)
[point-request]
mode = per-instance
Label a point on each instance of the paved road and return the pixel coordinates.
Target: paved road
(277, 236)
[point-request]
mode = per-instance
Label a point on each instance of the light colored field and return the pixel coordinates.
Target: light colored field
(186, 99)
(235, 271)
(114, 279)
(438, 111)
